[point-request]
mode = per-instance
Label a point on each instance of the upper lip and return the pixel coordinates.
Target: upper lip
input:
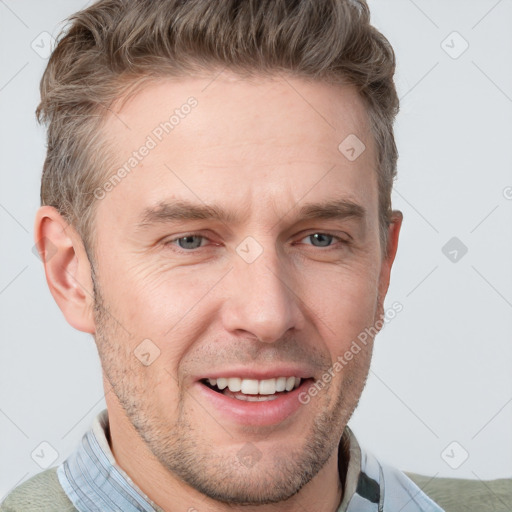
(244, 372)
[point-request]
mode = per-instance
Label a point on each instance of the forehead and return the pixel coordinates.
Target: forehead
(222, 138)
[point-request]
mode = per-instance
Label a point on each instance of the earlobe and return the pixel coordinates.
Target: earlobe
(67, 267)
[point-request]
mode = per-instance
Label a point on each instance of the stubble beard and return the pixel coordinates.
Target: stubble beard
(184, 452)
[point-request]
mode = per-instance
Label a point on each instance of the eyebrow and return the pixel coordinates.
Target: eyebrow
(180, 210)
(336, 209)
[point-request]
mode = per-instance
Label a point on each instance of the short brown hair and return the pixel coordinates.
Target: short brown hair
(114, 46)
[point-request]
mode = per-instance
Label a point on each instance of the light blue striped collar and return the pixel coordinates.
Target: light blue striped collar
(94, 482)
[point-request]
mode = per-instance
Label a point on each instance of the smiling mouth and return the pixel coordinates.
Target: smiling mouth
(252, 390)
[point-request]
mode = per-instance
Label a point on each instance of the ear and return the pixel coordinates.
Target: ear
(67, 267)
(389, 257)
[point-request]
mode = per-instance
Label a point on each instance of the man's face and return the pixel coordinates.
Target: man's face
(276, 287)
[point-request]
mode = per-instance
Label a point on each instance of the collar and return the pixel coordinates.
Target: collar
(94, 482)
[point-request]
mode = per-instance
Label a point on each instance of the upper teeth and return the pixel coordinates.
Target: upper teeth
(256, 387)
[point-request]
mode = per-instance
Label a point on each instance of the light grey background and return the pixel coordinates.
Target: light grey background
(440, 388)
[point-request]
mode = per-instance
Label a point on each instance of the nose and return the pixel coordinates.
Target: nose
(262, 299)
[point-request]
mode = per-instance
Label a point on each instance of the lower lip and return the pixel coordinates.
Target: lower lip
(269, 412)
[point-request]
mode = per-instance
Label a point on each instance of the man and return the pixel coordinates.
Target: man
(216, 212)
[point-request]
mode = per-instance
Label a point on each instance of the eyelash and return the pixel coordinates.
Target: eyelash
(173, 241)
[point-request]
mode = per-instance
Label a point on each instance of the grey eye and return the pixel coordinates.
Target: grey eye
(320, 239)
(190, 242)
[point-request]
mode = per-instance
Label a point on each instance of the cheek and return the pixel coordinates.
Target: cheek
(171, 307)
(343, 304)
